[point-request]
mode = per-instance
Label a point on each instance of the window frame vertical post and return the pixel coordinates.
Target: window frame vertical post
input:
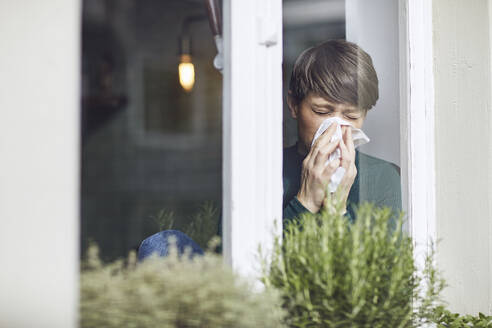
(417, 122)
(252, 130)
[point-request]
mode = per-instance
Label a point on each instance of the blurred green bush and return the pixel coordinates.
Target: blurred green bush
(171, 292)
(446, 319)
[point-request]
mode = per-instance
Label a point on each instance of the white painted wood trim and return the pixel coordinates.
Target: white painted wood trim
(252, 130)
(417, 121)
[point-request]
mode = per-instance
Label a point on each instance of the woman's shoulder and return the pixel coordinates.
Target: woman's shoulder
(379, 181)
(376, 166)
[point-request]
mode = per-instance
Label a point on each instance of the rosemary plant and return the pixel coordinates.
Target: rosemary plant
(332, 273)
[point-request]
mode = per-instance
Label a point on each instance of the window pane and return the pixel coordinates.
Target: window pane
(151, 148)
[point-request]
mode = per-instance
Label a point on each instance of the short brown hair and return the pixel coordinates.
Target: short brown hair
(337, 70)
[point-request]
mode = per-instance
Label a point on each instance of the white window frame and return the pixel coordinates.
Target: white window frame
(252, 130)
(417, 122)
(252, 136)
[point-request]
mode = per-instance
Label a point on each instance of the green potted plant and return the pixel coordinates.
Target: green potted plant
(332, 273)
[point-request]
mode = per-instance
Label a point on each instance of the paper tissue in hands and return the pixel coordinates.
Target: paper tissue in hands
(358, 136)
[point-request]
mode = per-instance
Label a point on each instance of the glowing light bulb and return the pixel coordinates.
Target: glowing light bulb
(186, 73)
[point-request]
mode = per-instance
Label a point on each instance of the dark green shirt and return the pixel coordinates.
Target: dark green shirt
(377, 181)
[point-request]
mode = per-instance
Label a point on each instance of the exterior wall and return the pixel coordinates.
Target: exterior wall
(39, 138)
(463, 152)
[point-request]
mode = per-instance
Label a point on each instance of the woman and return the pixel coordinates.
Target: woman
(334, 79)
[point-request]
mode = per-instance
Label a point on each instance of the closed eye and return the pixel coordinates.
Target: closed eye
(321, 111)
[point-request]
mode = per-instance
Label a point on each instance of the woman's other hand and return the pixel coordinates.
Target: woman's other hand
(347, 161)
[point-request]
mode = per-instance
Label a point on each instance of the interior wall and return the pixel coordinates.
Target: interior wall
(39, 146)
(373, 25)
(463, 152)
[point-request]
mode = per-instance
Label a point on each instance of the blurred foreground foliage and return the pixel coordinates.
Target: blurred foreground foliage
(173, 292)
(327, 272)
(446, 319)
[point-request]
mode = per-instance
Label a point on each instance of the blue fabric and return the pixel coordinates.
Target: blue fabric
(160, 242)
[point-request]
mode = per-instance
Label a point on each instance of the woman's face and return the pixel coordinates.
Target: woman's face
(313, 110)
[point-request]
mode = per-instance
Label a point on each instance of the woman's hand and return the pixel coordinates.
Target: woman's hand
(315, 175)
(348, 163)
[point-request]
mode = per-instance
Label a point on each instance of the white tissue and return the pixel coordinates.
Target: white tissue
(358, 136)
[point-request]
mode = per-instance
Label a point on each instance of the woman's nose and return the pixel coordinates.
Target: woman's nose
(339, 115)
